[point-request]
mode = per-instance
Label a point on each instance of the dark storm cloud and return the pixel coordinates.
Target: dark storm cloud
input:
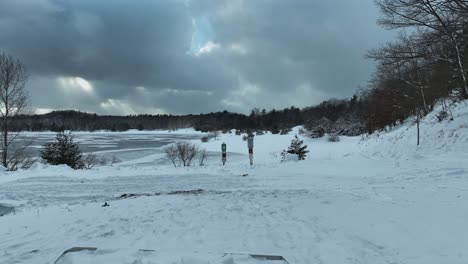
(135, 54)
(321, 42)
(130, 42)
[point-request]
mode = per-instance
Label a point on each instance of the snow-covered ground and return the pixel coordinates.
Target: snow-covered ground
(375, 200)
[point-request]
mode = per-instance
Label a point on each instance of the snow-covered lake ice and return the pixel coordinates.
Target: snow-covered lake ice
(123, 146)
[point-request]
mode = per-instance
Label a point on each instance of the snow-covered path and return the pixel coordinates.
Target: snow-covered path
(46, 191)
(327, 219)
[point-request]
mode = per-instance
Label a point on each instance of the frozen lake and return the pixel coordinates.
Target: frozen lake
(113, 145)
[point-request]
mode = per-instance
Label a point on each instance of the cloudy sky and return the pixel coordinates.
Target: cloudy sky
(189, 56)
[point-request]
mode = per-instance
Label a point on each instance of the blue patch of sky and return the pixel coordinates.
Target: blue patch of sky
(203, 33)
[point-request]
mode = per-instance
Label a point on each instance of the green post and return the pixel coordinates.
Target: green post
(223, 153)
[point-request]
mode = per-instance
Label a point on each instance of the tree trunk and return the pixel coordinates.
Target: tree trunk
(5, 132)
(5, 148)
(13, 100)
(461, 68)
(417, 125)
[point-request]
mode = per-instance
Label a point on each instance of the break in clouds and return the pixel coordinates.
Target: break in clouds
(190, 56)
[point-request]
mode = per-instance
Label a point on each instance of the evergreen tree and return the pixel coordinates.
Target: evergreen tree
(297, 147)
(63, 151)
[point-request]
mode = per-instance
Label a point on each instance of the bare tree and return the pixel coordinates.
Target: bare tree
(28, 162)
(171, 154)
(458, 6)
(403, 61)
(444, 20)
(186, 152)
(90, 160)
(13, 101)
(181, 153)
(409, 62)
(202, 157)
(437, 39)
(21, 159)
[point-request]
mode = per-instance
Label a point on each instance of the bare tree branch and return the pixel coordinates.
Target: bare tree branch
(13, 101)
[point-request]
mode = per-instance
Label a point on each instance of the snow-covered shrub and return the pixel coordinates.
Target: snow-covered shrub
(259, 133)
(323, 123)
(205, 139)
(288, 157)
(27, 163)
(298, 148)
(63, 151)
(333, 138)
(238, 132)
(283, 155)
(442, 115)
(214, 134)
(91, 160)
(285, 131)
(349, 125)
(182, 153)
(202, 157)
(317, 132)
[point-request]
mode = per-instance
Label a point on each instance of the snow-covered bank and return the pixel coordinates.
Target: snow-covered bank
(436, 137)
(378, 200)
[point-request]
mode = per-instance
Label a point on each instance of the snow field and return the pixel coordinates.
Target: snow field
(374, 200)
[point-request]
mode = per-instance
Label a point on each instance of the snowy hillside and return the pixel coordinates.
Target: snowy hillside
(375, 200)
(436, 137)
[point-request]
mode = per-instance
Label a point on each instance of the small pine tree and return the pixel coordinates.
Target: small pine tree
(297, 147)
(63, 151)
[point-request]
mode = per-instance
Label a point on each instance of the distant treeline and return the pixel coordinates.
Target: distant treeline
(333, 111)
(347, 116)
(360, 114)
